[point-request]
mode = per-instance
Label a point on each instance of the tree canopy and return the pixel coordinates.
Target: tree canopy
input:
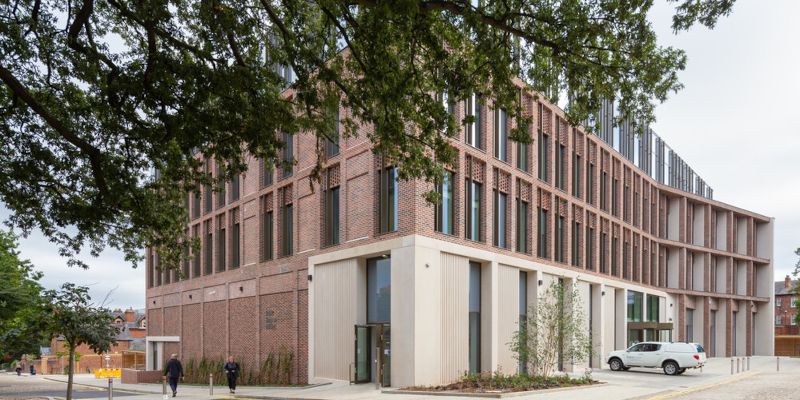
(98, 94)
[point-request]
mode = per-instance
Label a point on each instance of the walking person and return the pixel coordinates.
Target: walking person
(232, 371)
(19, 368)
(173, 372)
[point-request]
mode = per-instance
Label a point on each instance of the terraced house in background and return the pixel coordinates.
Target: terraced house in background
(360, 279)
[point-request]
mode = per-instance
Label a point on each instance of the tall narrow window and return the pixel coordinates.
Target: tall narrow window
(523, 317)
(221, 260)
(332, 140)
(267, 172)
(267, 235)
(541, 234)
(500, 135)
(208, 200)
(590, 183)
(474, 191)
(195, 255)
(561, 154)
(626, 246)
(500, 228)
(235, 187)
(287, 156)
(221, 193)
(196, 204)
(603, 252)
(523, 158)
(522, 226)
(626, 203)
(159, 271)
(544, 156)
(379, 290)
(332, 216)
(603, 190)
(576, 243)
(388, 199)
(235, 237)
(474, 109)
(151, 268)
(287, 226)
(209, 251)
(614, 256)
(589, 248)
(444, 211)
(615, 197)
(576, 174)
(559, 242)
(474, 317)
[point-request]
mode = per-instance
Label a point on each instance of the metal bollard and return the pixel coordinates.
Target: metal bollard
(110, 388)
(738, 361)
(164, 385)
(211, 384)
(778, 360)
(748, 363)
(731, 366)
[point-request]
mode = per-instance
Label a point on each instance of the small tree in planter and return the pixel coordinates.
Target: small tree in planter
(555, 325)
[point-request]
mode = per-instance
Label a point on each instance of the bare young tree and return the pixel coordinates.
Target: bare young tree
(555, 326)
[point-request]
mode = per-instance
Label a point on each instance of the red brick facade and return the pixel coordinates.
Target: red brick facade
(262, 305)
(786, 299)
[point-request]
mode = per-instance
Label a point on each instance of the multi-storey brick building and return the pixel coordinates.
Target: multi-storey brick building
(786, 298)
(360, 278)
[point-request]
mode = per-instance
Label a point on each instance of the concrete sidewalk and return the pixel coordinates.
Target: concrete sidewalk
(634, 384)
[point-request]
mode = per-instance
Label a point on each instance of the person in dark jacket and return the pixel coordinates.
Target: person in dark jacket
(232, 371)
(173, 372)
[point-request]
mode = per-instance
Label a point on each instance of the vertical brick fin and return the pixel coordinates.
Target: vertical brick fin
(269, 204)
(563, 131)
(478, 170)
(333, 176)
(235, 216)
(544, 200)
(577, 214)
(504, 182)
(547, 120)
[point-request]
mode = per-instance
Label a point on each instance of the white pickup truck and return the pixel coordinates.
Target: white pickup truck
(673, 357)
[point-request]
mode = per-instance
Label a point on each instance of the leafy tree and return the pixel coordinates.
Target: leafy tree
(555, 326)
(98, 94)
(21, 303)
(78, 322)
(796, 274)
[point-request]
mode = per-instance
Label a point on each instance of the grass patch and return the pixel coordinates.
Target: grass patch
(499, 383)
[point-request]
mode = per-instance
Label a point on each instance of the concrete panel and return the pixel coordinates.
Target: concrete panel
(242, 289)
(335, 315)
(454, 303)
(508, 317)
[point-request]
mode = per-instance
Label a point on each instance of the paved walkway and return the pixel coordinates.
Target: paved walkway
(633, 384)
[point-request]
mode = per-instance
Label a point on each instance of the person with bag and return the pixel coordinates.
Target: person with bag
(232, 371)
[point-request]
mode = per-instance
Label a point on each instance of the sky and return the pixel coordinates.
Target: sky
(734, 123)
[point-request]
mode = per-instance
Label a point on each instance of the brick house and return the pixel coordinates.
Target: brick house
(360, 279)
(786, 298)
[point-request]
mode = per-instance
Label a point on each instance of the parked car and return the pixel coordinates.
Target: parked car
(673, 357)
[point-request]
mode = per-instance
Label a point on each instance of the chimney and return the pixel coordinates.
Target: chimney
(787, 282)
(130, 315)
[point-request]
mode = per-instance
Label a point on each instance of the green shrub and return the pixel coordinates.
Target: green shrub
(275, 370)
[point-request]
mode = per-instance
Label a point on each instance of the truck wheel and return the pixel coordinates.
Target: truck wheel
(616, 364)
(671, 368)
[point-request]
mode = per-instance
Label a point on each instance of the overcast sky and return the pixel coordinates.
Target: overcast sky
(735, 123)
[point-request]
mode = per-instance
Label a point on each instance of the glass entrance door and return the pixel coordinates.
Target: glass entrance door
(363, 346)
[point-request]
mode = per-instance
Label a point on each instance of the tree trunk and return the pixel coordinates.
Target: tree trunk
(70, 372)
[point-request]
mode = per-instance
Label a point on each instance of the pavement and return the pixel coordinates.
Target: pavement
(715, 381)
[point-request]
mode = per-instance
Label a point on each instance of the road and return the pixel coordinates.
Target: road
(763, 386)
(32, 387)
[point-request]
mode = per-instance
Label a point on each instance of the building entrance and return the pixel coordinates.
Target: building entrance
(373, 354)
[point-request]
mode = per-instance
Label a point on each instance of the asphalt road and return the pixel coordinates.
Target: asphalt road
(32, 387)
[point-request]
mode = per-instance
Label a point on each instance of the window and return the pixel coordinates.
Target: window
(195, 256)
(500, 208)
(778, 300)
(445, 212)
(559, 242)
(474, 200)
(576, 175)
(235, 232)
(793, 303)
(388, 201)
(561, 153)
(159, 272)
(235, 187)
(474, 317)
(379, 290)
(544, 154)
(332, 216)
(267, 235)
(625, 252)
(603, 252)
(590, 183)
(500, 135)
(626, 208)
(221, 193)
(576, 243)
(221, 260)
(267, 172)
(590, 248)
(779, 320)
(196, 205)
(523, 157)
(332, 140)
(653, 311)
(287, 222)
(209, 204)
(474, 108)
(287, 156)
(542, 234)
(614, 256)
(522, 226)
(635, 306)
(615, 197)
(151, 269)
(690, 327)
(603, 190)
(209, 251)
